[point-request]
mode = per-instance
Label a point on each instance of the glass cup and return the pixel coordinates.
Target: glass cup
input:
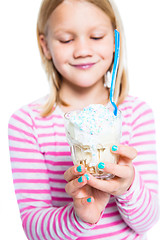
(88, 148)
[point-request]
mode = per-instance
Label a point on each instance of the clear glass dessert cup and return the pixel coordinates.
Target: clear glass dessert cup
(91, 149)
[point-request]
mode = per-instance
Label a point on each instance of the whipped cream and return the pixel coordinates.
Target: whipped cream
(92, 129)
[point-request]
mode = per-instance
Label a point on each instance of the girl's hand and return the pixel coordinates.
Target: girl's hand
(88, 201)
(123, 171)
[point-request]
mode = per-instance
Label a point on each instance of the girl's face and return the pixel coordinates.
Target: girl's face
(80, 41)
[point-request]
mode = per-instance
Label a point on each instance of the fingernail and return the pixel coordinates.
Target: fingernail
(79, 168)
(89, 200)
(101, 165)
(80, 180)
(114, 148)
(86, 175)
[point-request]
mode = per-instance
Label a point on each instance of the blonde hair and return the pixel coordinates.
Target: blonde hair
(121, 86)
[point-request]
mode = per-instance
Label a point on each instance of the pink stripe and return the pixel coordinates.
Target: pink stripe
(50, 126)
(71, 217)
(48, 118)
(57, 180)
(49, 223)
(31, 223)
(55, 228)
(143, 124)
(151, 181)
(143, 143)
(126, 133)
(58, 153)
(127, 116)
(112, 204)
(26, 160)
(145, 162)
(21, 120)
(23, 150)
(24, 112)
(43, 225)
(41, 181)
(125, 108)
(53, 163)
(149, 172)
(36, 228)
(29, 200)
(154, 191)
(60, 221)
(148, 207)
(146, 152)
(56, 172)
(26, 209)
(62, 199)
(21, 170)
(54, 144)
(144, 133)
(107, 225)
(66, 225)
(58, 189)
(142, 115)
(51, 134)
(138, 106)
(21, 131)
(20, 140)
(135, 210)
(154, 216)
(111, 214)
(24, 223)
(126, 124)
(105, 234)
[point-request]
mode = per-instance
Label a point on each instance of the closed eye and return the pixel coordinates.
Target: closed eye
(97, 38)
(66, 41)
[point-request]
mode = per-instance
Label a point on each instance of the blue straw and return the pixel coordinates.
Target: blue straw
(115, 68)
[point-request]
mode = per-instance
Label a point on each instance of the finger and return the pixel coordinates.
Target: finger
(128, 153)
(81, 202)
(73, 186)
(122, 171)
(108, 186)
(73, 172)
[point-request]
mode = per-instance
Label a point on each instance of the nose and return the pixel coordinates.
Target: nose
(82, 48)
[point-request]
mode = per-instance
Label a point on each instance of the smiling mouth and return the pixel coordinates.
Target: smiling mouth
(83, 66)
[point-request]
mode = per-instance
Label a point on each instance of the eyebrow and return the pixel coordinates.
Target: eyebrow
(70, 31)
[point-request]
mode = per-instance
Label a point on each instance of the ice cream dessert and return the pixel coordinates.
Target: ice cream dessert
(90, 133)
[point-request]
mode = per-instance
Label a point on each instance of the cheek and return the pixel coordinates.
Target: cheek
(106, 50)
(59, 55)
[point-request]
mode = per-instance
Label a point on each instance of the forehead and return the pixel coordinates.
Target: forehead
(78, 14)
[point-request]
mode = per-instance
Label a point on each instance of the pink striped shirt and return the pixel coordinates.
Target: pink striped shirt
(40, 155)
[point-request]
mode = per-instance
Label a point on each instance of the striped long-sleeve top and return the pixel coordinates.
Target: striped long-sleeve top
(40, 155)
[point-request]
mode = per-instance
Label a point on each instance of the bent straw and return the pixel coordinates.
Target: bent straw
(115, 68)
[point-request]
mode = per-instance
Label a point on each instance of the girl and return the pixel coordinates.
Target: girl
(56, 199)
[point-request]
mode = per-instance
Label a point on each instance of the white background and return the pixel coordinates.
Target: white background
(23, 80)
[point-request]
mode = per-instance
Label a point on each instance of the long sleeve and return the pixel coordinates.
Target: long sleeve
(40, 155)
(139, 205)
(40, 218)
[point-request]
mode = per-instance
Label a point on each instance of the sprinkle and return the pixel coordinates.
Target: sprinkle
(93, 118)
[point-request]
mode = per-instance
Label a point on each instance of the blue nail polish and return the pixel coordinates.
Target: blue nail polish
(79, 168)
(114, 148)
(86, 175)
(80, 180)
(89, 200)
(101, 165)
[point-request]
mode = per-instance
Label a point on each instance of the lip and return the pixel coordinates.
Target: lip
(83, 66)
